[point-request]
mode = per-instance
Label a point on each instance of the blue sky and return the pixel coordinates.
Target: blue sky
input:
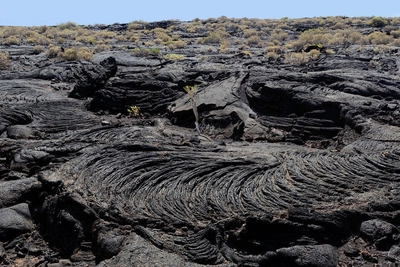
(53, 12)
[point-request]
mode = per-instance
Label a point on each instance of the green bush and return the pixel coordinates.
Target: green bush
(312, 37)
(144, 52)
(214, 37)
(87, 39)
(378, 22)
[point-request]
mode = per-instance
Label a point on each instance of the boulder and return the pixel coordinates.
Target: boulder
(379, 232)
(14, 221)
(25, 159)
(94, 78)
(310, 256)
(67, 221)
(20, 132)
(108, 239)
(139, 252)
(17, 191)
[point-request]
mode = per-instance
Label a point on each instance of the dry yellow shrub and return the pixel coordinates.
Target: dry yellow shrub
(395, 34)
(38, 49)
(224, 47)
(278, 35)
(254, 40)
(84, 53)
(297, 58)
(272, 55)
(273, 48)
(377, 38)
(53, 50)
(396, 42)
(12, 40)
(314, 54)
(179, 44)
(4, 60)
(101, 47)
(73, 53)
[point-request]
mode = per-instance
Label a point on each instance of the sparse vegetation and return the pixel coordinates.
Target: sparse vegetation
(278, 35)
(272, 55)
(12, 40)
(173, 57)
(379, 38)
(254, 40)
(314, 54)
(162, 34)
(179, 44)
(297, 58)
(144, 52)
(134, 111)
(53, 50)
(38, 49)
(84, 53)
(101, 47)
(4, 60)
(395, 33)
(214, 37)
(382, 48)
(396, 42)
(224, 47)
(222, 35)
(73, 53)
(89, 39)
(378, 22)
(248, 33)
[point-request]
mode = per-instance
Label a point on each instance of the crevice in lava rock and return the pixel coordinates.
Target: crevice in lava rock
(64, 220)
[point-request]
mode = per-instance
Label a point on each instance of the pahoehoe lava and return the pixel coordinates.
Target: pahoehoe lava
(181, 188)
(296, 165)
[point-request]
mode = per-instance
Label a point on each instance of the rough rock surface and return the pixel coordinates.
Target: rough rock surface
(14, 221)
(296, 165)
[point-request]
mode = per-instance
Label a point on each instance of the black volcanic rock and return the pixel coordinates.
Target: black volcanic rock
(14, 220)
(379, 232)
(315, 256)
(94, 79)
(296, 164)
(16, 191)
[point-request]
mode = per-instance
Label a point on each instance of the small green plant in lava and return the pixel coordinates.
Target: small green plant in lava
(134, 111)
